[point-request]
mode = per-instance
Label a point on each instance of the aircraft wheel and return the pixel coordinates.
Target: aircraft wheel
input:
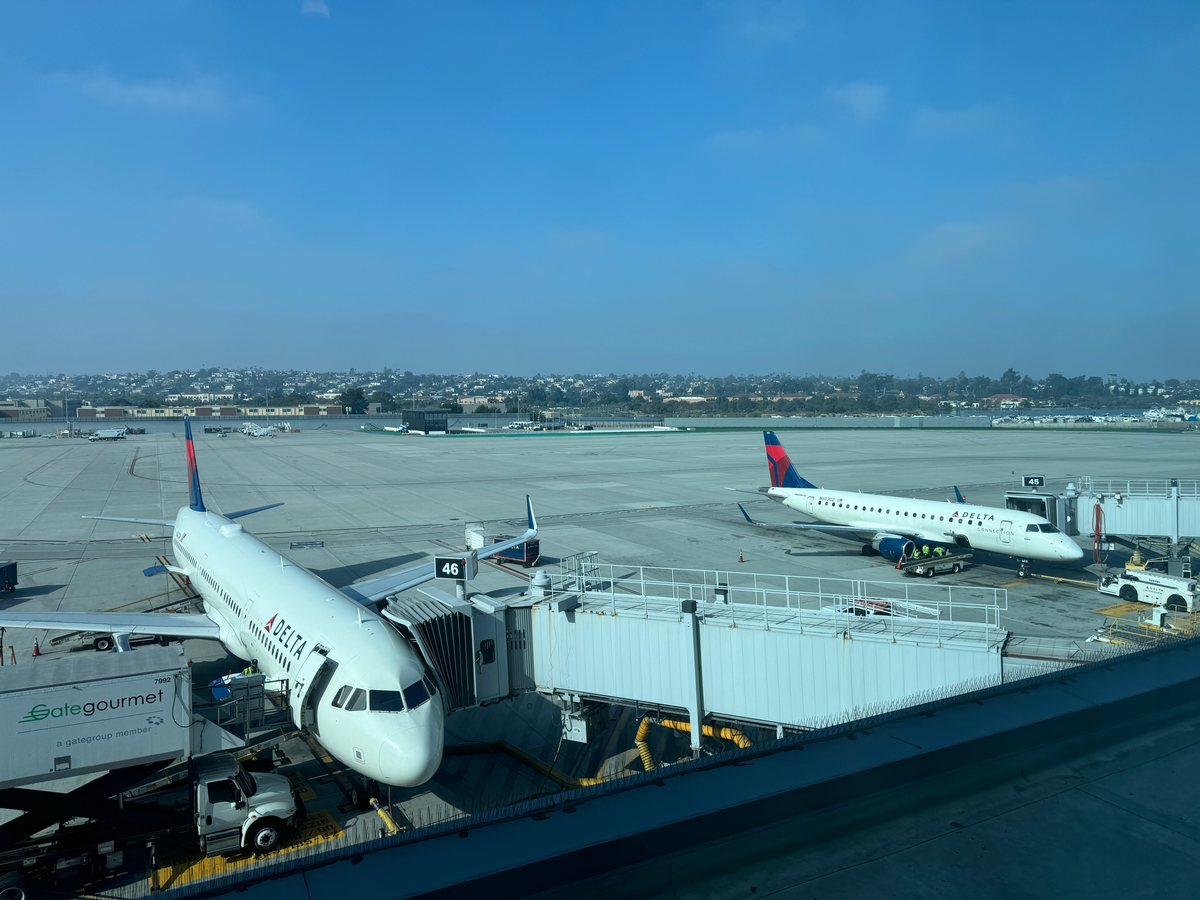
(103, 643)
(867, 549)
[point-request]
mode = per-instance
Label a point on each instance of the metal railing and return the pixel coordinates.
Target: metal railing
(1139, 487)
(791, 602)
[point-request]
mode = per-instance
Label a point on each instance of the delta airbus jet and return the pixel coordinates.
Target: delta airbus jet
(892, 525)
(356, 683)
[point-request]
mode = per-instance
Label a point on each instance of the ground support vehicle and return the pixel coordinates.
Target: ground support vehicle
(928, 566)
(527, 554)
(1156, 588)
(217, 806)
(8, 576)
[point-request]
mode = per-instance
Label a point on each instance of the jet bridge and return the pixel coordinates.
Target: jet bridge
(787, 652)
(1127, 510)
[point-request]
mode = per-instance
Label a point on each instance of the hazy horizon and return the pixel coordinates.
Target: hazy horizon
(752, 185)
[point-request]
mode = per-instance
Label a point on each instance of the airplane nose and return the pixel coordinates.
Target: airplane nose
(1072, 550)
(411, 759)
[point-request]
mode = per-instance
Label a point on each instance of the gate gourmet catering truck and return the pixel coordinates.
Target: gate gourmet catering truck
(117, 719)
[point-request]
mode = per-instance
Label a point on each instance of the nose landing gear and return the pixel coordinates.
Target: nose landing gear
(1022, 568)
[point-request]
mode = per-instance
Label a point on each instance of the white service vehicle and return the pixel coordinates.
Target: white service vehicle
(1156, 588)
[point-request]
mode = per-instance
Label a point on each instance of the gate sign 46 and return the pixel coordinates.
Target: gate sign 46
(456, 568)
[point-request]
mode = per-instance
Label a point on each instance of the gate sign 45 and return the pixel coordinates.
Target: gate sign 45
(456, 568)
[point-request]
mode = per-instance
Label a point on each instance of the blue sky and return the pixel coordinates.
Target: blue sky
(743, 186)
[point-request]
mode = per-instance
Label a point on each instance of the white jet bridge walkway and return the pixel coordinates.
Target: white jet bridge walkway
(785, 651)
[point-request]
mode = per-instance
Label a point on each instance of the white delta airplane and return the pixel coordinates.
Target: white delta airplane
(891, 526)
(370, 700)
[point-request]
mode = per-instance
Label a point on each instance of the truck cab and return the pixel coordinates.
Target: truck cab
(236, 809)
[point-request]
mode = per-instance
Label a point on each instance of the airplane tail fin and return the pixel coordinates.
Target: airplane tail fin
(958, 495)
(783, 473)
(195, 499)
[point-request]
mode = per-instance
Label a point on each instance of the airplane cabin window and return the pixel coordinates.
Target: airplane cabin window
(340, 697)
(357, 701)
(386, 701)
(415, 694)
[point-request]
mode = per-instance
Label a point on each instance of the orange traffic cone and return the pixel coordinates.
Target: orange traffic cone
(36, 651)
(740, 557)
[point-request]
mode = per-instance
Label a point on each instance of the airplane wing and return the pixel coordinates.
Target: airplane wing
(812, 526)
(377, 588)
(170, 523)
(169, 624)
(850, 529)
(250, 512)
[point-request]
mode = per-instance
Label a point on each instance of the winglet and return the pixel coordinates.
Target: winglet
(154, 570)
(746, 514)
(195, 500)
(529, 512)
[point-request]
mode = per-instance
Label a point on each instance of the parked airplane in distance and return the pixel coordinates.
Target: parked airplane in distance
(355, 681)
(891, 525)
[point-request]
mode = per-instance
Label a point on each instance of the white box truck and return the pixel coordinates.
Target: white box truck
(127, 715)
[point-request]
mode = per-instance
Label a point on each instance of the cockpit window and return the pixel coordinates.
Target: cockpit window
(1031, 528)
(386, 701)
(357, 701)
(429, 686)
(1047, 529)
(340, 697)
(415, 694)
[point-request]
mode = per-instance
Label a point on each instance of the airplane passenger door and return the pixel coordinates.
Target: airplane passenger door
(809, 503)
(1006, 532)
(306, 676)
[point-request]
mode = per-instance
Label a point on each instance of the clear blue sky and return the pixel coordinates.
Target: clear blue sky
(601, 186)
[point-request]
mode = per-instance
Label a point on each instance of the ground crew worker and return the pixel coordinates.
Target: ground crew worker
(939, 551)
(925, 550)
(251, 669)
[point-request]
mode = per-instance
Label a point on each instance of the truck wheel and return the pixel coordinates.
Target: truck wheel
(14, 887)
(956, 569)
(929, 572)
(264, 836)
(1176, 603)
(1128, 594)
(103, 643)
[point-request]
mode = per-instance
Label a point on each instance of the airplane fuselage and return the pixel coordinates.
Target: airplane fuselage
(373, 705)
(1006, 531)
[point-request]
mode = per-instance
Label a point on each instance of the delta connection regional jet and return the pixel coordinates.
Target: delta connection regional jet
(369, 699)
(890, 525)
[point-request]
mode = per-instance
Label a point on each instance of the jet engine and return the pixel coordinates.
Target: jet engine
(892, 546)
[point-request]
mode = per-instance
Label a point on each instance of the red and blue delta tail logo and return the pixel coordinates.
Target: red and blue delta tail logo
(195, 500)
(783, 473)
